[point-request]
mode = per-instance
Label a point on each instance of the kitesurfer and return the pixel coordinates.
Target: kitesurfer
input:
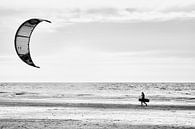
(143, 98)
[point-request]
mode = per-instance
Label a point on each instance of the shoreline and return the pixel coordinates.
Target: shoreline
(96, 105)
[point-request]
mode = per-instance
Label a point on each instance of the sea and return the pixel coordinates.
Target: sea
(114, 93)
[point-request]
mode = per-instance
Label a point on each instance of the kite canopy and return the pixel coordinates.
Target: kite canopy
(22, 40)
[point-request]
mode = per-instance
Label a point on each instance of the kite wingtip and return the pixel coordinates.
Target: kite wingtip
(36, 66)
(48, 21)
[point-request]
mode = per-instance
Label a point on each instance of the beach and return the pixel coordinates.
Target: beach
(78, 124)
(96, 106)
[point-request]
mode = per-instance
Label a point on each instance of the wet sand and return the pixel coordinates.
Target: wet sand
(76, 124)
(96, 105)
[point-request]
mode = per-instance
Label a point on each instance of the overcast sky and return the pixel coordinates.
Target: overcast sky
(101, 40)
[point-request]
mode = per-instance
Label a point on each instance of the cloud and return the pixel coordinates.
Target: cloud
(97, 11)
(119, 15)
(139, 19)
(188, 8)
(146, 4)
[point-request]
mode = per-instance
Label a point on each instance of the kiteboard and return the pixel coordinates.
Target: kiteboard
(144, 100)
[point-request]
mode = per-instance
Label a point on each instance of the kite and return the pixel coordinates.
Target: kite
(22, 40)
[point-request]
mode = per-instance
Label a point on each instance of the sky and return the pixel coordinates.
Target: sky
(101, 41)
